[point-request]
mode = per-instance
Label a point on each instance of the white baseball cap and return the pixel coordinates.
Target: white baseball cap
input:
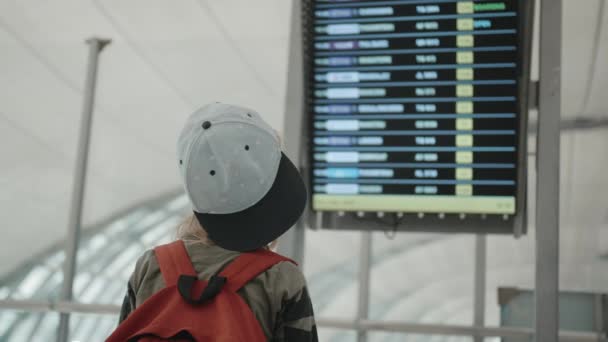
(243, 189)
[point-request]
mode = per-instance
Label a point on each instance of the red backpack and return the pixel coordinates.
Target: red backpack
(188, 309)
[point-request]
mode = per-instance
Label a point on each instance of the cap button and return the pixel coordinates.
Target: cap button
(206, 124)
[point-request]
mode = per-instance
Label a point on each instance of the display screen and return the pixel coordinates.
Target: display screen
(414, 105)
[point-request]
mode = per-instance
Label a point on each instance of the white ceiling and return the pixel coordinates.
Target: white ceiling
(166, 59)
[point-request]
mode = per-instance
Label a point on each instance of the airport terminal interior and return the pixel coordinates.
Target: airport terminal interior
(454, 151)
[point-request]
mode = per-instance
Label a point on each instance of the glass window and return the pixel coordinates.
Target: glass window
(423, 278)
(400, 337)
(91, 327)
(331, 266)
(107, 257)
(18, 326)
(337, 335)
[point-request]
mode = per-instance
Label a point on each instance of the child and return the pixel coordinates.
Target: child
(245, 193)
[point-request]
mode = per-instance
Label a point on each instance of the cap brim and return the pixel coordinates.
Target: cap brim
(266, 220)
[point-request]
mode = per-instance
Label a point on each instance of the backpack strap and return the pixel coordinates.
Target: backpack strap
(248, 266)
(174, 261)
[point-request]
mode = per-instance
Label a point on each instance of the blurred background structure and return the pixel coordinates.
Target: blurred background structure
(166, 59)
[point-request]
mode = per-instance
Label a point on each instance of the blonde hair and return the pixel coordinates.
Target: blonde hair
(190, 230)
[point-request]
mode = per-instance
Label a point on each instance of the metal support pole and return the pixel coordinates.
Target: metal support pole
(547, 164)
(75, 219)
(479, 287)
(365, 263)
(292, 242)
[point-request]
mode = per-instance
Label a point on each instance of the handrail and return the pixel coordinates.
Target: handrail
(349, 324)
(447, 329)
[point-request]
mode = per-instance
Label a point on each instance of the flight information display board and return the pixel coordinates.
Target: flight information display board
(415, 106)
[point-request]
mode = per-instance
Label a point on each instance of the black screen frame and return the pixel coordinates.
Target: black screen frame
(448, 223)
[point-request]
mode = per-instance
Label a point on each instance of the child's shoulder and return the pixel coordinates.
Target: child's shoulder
(145, 264)
(287, 268)
(284, 276)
